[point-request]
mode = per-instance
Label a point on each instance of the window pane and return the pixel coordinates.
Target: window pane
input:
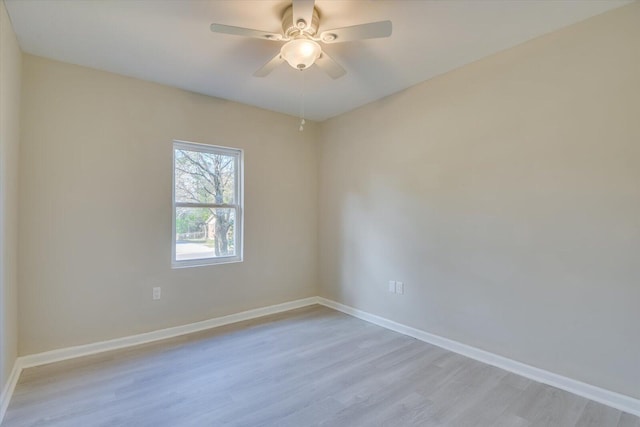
(204, 177)
(205, 233)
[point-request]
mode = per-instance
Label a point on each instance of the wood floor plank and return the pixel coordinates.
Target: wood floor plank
(628, 420)
(558, 408)
(307, 367)
(595, 414)
(490, 406)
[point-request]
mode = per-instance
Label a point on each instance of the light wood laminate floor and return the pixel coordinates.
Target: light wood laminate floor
(307, 367)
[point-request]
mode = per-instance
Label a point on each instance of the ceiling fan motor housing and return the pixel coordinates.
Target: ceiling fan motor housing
(291, 29)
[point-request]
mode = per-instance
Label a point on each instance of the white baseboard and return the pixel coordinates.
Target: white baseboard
(7, 391)
(118, 343)
(607, 397)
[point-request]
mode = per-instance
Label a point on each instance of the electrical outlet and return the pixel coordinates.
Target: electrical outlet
(392, 286)
(157, 292)
(399, 288)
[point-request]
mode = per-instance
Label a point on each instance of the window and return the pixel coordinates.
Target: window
(207, 204)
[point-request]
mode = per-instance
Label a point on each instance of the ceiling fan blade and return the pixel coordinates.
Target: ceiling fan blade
(303, 10)
(245, 32)
(269, 66)
(372, 30)
(330, 66)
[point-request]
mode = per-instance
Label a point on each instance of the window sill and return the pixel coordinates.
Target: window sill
(205, 262)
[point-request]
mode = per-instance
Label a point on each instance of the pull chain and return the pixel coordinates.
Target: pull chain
(302, 121)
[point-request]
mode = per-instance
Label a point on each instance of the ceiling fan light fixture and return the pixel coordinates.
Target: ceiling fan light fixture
(301, 53)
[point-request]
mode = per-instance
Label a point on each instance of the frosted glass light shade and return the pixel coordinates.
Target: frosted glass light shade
(300, 53)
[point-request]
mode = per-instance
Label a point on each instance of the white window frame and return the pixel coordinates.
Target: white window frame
(238, 154)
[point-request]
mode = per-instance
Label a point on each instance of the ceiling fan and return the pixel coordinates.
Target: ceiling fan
(300, 23)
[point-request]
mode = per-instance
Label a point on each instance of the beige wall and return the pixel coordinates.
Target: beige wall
(95, 207)
(10, 62)
(506, 196)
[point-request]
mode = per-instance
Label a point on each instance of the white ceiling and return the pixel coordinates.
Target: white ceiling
(169, 42)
